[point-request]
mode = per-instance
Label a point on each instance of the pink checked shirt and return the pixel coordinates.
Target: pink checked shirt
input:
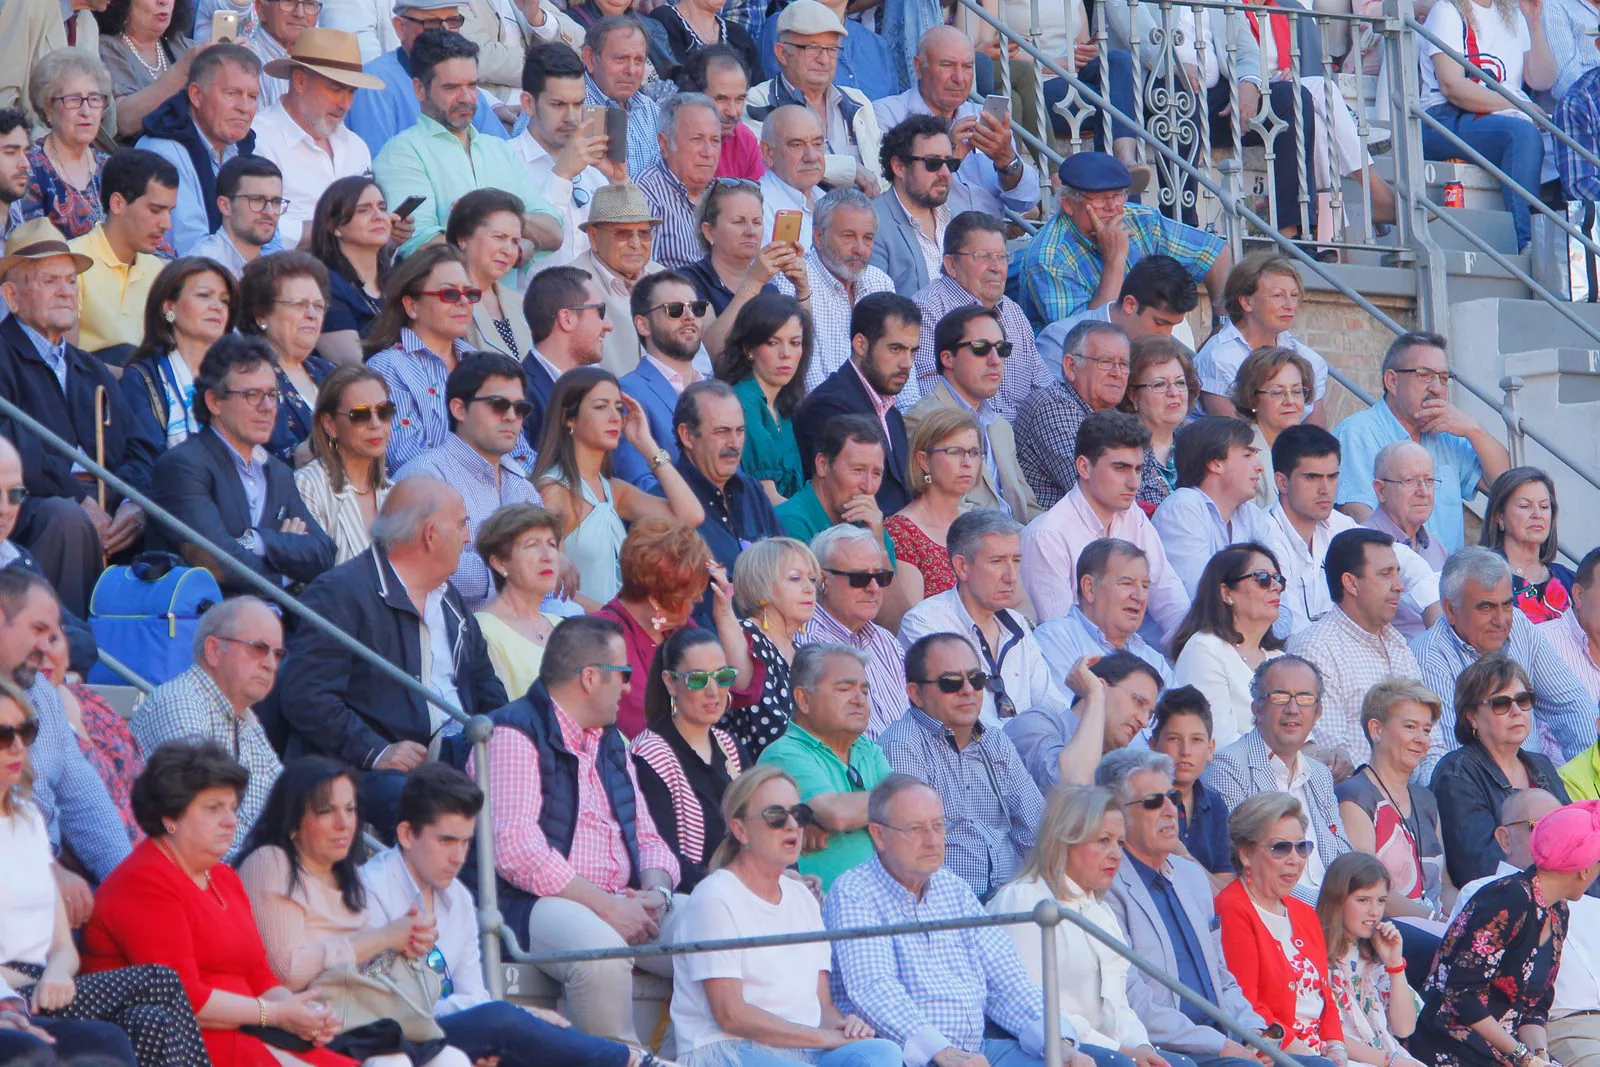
(880, 404)
(525, 858)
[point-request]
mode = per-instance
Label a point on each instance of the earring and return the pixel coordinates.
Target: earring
(765, 628)
(171, 828)
(927, 479)
(170, 315)
(674, 699)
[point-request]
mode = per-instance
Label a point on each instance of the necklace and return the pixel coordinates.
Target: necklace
(210, 887)
(1409, 824)
(161, 57)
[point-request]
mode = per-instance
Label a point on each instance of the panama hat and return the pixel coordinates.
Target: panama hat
(38, 239)
(619, 203)
(334, 54)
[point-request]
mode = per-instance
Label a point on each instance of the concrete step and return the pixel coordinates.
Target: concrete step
(1494, 227)
(1577, 371)
(1510, 326)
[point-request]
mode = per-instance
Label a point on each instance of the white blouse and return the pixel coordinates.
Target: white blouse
(27, 888)
(1215, 667)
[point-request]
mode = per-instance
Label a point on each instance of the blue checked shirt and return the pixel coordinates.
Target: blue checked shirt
(1060, 269)
(992, 807)
(457, 463)
(929, 992)
(677, 238)
(416, 379)
(71, 797)
(644, 116)
(1578, 114)
(1046, 431)
(54, 355)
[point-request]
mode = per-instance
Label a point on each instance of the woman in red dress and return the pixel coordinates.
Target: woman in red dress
(174, 902)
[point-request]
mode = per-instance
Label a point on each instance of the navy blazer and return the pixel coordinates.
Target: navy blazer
(844, 393)
(335, 704)
(27, 381)
(536, 389)
(896, 251)
(198, 482)
(646, 384)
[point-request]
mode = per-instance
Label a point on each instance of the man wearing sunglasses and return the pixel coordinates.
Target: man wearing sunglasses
(484, 397)
(1518, 816)
(1286, 700)
(992, 805)
(1113, 699)
(913, 212)
(668, 322)
(83, 650)
(239, 645)
(855, 573)
(566, 313)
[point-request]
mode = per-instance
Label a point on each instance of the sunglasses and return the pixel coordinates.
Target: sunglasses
(436, 964)
(862, 579)
(626, 672)
(15, 495)
(1501, 705)
(952, 683)
(599, 309)
(366, 413)
(776, 816)
(1263, 579)
(471, 294)
(695, 681)
(28, 732)
(676, 308)
(1155, 801)
(981, 349)
(934, 164)
(1279, 850)
(853, 776)
(260, 648)
(502, 404)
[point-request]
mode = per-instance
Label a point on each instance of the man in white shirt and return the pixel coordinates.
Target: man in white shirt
(793, 151)
(412, 892)
(304, 131)
(250, 197)
(1219, 467)
(565, 158)
(1518, 815)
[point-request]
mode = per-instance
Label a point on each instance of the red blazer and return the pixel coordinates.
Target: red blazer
(1256, 959)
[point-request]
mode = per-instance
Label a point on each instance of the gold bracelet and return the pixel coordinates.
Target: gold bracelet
(261, 1006)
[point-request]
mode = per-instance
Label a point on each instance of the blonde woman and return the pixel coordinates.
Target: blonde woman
(1076, 858)
(775, 593)
(946, 460)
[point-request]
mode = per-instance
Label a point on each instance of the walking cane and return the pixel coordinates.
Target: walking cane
(100, 455)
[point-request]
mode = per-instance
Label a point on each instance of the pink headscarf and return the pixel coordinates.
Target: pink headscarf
(1568, 839)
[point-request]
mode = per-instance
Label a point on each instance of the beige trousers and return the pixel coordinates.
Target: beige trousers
(1575, 1040)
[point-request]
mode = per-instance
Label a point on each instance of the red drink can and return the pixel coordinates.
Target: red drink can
(1455, 194)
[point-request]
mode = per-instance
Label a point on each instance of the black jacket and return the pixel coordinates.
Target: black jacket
(843, 393)
(199, 483)
(173, 121)
(27, 381)
(536, 389)
(335, 704)
(1470, 789)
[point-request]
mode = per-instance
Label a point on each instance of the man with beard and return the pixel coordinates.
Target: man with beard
(840, 272)
(304, 132)
(884, 331)
(442, 157)
(918, 160)
(250, 197)
(14, 173)
(667, 317)
(709, 424)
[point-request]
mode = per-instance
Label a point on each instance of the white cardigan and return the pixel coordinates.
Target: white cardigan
(1215, 667)
(1093, 979)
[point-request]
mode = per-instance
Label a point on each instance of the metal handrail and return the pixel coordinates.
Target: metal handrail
(125, 672)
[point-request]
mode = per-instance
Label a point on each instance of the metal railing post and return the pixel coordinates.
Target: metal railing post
(1511, 385)
(1047, 914)
(1411, 183)
(489, 920)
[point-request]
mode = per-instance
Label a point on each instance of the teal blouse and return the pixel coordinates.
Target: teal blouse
(770, 449)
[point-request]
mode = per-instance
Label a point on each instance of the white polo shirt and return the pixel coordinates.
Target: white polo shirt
(308, 170)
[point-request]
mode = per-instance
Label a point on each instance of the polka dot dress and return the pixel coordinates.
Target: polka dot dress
(757, 726)
(503, 328)
(147, 1002)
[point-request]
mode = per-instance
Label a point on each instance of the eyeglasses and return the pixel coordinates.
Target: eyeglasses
(256, 398)
(452, 22)
(599, 309)
(862, 579)
(304, 304)
(1501, 705)
(312, 6)
(957, 453)
(1263, 579)
(814, 51)
(1411, 485)
(776, 816)
(502, 404)
(695, 681)
(1280, 393)
(15, 495)
(611, 668)
(366, 413)
(981, 349)
(918, 829)
(1429, 377)
(984, 259)
(28, 732)
(1165, 385)
(1155, 801)
(1107, 199)
(261, 649)
(259, 203)
(471, 294)
(436, 963)
(1108, 366)
(77, 101)
(934, 164)
(676, 308)
(1279, 850)
(953, 682)
(1281, 697)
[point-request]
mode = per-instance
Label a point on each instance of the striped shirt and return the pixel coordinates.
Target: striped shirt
(677, 238)
(1025, 372)
(644, 115)
(1352, 660)
(1566, 636)
(886, 664)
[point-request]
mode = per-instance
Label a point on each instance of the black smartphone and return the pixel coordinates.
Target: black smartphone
(408, 205)
(616, 135)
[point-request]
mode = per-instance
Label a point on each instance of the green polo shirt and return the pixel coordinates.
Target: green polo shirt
(802, 517)
(816, 769)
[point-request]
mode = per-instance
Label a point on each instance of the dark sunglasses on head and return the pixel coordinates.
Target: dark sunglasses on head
(1501, 705)
(776, 816)
(934, 164)
(694, 681)
(676, 308)
(1263, 579)
(862, 579)
(1155, 801)
(981, 349)
(15, 495)
(365, 413)
(455, 294)
(853, 776)
(1279, 850)
(28, 732)
(952, 683)
(502, 404)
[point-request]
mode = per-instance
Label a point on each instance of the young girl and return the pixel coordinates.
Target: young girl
(1365, 963)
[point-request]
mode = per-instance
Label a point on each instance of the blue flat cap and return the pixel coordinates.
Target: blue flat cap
(1094, 172)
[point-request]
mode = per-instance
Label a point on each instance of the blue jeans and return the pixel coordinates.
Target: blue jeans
(520, 1040)
(1511, 143)
(74, 1038)
(875, 1052)
(1120, 94)
(1004, 1052)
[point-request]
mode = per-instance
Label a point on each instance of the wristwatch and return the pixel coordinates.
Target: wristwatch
(250, 542)
(1013, 168)
(657, 460)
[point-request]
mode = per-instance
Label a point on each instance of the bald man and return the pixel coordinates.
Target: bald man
(1403, 479)
(396, 600)
(993, 175)
(793, 149)
(82, 652)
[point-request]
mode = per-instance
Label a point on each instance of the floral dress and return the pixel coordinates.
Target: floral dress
(1491, 964)
(112, 752)
(1545, 600)
(1361, 989)
(913, 546)
(71, 210)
